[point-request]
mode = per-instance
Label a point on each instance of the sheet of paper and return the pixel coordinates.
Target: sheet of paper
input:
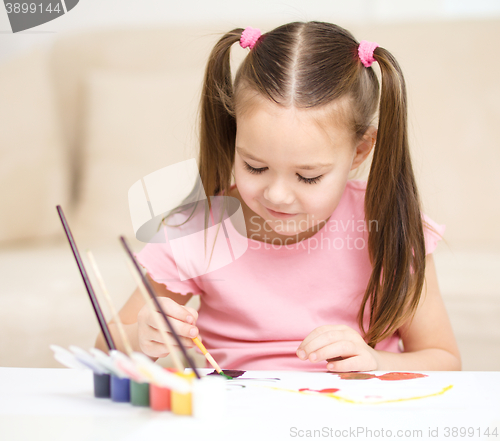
(36, 402)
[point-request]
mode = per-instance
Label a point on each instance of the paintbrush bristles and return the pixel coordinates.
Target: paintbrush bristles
(107, 297)
(213, 362)
(151, 307)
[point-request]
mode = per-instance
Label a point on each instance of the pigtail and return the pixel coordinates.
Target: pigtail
(396, 247)
(217, 118)
(217, 134)
(217, 127)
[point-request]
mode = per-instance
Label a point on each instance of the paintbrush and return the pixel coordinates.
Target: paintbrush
(152, 294)
(107, 297)
(93, 299)
(130, 365)
(196, 340)
(210, 359)
(151, 307)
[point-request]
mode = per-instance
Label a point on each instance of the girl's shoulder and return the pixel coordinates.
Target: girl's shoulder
(356, 185)
(433, 231)
(354, 195)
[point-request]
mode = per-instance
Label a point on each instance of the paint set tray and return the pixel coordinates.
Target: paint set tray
(141, 382)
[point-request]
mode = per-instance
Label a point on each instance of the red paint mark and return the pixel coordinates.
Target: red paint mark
(321, 391)
(328, 391)
(394, 376)
(355, 376)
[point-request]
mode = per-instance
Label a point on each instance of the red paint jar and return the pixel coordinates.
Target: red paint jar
(160, 397)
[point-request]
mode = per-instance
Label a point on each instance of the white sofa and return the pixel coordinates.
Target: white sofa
(85, 118)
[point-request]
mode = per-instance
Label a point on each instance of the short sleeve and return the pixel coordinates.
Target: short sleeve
(433, 233)
(157, 259)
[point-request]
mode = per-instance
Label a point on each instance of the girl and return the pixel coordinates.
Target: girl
(338, 273)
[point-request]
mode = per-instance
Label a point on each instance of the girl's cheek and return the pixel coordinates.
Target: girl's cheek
(246, 183)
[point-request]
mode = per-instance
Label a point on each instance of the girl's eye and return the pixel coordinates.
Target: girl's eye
(258, 171)
(253, 170)
(310, 180)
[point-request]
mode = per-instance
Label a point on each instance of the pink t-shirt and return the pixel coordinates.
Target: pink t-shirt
(255, 311)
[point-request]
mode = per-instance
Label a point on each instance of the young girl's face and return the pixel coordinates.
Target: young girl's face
(293, 161)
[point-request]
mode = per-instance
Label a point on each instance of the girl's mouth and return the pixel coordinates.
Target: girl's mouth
(279, 215)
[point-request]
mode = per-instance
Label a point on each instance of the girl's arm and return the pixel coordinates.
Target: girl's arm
(429, 343)
(140, 325)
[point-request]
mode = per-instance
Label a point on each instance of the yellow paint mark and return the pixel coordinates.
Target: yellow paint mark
(347, 400)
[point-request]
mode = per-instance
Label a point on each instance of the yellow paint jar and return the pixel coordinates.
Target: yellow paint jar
(182, 403)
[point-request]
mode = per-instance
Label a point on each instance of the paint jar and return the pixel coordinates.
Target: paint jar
(101, 385)
(139, 393)
(120, 389)
(181, 403)
(160, 397)
(210, 397)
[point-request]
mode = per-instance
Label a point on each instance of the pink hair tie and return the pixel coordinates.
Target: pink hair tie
(365, 52)
(249, 37)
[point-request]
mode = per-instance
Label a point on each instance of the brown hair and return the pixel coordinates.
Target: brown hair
(312, 64)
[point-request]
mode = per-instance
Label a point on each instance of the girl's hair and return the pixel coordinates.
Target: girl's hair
(313, 64)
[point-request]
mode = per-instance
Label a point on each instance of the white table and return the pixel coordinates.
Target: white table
(58, 404)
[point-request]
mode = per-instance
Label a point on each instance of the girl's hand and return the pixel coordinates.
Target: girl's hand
(343, 348)
(182, 318)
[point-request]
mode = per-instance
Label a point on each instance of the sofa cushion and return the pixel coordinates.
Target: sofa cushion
(33, 172)
(136, 49)
(134, 124)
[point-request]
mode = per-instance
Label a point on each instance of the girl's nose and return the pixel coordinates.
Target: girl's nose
(279, 194)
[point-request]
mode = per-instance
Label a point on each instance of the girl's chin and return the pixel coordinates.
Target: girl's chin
(287, 232)
(284, 229)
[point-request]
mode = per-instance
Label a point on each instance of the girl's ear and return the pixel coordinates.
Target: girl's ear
(364, 147)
